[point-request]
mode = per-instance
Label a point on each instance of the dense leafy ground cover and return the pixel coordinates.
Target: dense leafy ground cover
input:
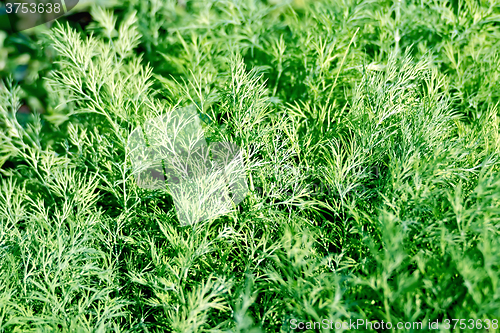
(371, 136)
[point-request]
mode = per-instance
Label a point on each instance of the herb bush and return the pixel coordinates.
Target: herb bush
(371, 135)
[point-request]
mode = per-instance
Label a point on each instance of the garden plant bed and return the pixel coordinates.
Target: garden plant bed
(367, 140)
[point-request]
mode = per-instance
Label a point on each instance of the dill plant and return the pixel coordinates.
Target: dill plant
(392, 106)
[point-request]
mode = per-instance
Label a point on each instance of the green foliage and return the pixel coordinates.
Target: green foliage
(370, 133)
